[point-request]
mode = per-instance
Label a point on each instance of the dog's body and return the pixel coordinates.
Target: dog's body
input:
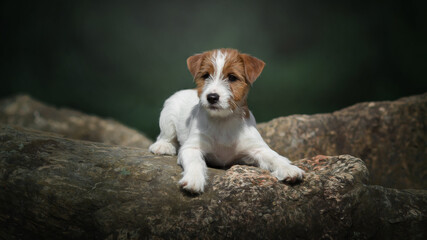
(212, 123)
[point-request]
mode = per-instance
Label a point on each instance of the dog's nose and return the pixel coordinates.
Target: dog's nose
(212, 98)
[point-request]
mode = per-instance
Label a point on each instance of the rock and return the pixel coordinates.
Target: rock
(391, 137)
(58, 188)
(24, 111)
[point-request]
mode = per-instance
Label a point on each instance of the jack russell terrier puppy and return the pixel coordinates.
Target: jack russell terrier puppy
(212, 123)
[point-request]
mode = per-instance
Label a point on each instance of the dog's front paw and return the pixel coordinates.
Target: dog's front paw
(288, 172)
(162, 148)
(193, 182)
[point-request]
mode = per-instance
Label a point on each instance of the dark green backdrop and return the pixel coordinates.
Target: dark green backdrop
(122, 59)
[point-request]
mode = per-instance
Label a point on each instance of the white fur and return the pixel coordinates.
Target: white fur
(213, 134)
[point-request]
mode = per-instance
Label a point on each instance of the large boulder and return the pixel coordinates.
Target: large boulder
(24, 111)
(390, 136)
(58, 188)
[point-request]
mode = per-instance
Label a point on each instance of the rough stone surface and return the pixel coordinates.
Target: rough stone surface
(57, 188)
(24, 111)
(391, 137)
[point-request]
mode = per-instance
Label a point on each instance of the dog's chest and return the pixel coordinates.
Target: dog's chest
(224, 147)
(221, 155)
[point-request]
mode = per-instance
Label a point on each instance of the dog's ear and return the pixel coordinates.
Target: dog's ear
(194, 62)
(253, 67)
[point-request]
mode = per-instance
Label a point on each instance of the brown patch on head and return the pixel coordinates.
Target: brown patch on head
(234, 71)
(199, 65)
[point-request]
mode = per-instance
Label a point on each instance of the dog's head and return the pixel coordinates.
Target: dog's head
(223, 79)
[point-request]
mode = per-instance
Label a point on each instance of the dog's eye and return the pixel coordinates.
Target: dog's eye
(232, 78)
(206, 76)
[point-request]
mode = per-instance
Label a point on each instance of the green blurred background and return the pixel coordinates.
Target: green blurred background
(122, 59)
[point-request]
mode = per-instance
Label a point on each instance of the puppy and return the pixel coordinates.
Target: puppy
(212, 123)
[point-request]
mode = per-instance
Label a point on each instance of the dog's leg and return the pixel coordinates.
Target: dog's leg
(166, 141)
(194, 175)
(279, 166)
